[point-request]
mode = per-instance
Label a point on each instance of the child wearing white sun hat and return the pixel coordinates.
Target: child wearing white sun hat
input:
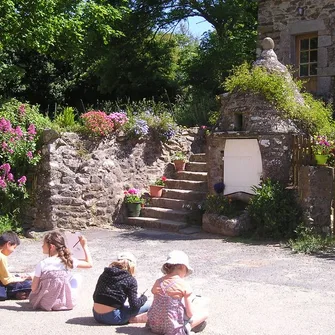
(172, 311)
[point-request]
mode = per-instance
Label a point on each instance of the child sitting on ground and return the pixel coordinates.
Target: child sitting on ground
(173, 311)
(54, 287)
(12, 286)
(115, 285)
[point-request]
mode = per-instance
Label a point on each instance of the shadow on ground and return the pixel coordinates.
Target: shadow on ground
(85, 321)
(131, 330)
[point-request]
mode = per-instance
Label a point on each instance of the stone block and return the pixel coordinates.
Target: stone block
(219, 224)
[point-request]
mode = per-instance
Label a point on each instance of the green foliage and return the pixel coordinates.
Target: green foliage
(313, 115)
(223, 205)
(308, 241)
(66, 120)
(273, 210)
(179, 156)
(31, 115)
(194, 108)
(9, 224)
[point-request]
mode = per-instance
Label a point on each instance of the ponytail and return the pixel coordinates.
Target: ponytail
(57, 239)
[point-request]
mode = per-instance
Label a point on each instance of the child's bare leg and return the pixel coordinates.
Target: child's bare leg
(200, 313)
(139, 318)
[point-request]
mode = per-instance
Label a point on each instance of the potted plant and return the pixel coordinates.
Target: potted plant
(156, 188)
(179, 160)
(322, 149)
(133, 200)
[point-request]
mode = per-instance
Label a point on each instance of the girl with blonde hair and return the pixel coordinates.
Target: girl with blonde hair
(115, 285)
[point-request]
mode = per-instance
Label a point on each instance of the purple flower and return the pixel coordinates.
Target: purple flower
(4, 145)
(29, 155)
(10, 177)
(22, 180)
(141, 127)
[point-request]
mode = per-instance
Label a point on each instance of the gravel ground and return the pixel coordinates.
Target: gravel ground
(252, 289)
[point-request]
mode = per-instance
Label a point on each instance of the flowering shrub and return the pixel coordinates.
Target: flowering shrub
(18, 147)
(133, 195)
(118, 119)
(160, 181)
(98, 123)
(322, 146)
(20, 125)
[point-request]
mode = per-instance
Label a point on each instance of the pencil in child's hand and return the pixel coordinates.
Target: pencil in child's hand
(144, 292)
(76, 243)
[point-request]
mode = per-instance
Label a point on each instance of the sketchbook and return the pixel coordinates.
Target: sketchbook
(72, 242)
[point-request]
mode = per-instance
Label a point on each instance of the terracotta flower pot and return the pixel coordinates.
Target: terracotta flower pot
(156, 191)
(179, 165)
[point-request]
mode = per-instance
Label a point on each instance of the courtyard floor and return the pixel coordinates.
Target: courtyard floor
(252, 289)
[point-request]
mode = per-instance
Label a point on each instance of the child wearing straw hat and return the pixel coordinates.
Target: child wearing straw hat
(173, 312)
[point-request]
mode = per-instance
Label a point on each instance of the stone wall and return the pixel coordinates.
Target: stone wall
(280, 20)
(80, 182)
(276, 152)
(316, 194)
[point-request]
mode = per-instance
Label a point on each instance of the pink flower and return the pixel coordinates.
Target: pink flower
(132, 191)
(5, 125)
(22, 180)
(22, 110)
(10, 151)
(5, 167)
(2, 183)
(29, 155)
(32, 130)
(10, 177)
(4, 145)
(18, 131)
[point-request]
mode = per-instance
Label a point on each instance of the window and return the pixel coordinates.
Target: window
(307, 60)
(238, 121)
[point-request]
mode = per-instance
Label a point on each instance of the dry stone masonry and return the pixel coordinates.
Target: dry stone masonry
(80, 181)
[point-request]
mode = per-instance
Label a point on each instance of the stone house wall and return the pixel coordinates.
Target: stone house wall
(283, 20)
(276, 151)
(80, 182)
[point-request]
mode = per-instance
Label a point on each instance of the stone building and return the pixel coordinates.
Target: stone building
(252, 139)
(304, 36)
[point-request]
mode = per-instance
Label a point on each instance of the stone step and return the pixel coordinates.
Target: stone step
(176, 204)
(190, 175)
(165, 213)
(188, 195)
(194, 185)
(198, 158)
(196, 167)
(155, 223)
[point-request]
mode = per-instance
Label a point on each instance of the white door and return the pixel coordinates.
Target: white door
(242, 165)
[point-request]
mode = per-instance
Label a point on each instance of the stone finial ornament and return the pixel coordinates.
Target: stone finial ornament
(268, 43)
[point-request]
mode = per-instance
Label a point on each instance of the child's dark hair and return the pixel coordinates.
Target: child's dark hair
(57, 239)
(168, 268)
(9, 236)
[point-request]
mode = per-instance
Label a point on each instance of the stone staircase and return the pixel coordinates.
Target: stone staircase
(177, 209)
